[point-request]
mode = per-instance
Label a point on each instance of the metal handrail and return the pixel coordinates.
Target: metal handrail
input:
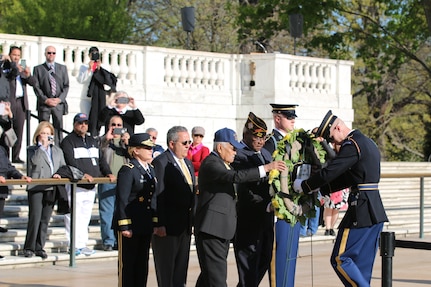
(61, 181)
(421, 176)
(53, 181)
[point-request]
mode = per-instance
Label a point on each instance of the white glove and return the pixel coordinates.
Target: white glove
(297, 185)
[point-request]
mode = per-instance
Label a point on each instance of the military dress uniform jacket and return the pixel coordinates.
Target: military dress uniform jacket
(253, 197)
(271, 143)
(134, 191)
(357, 166)
(216, 206)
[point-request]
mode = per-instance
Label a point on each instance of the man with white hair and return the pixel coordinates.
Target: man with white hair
(215, 219)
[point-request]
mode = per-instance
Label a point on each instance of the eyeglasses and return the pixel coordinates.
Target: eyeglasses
(201, 136)
(186, 142)
(50, 53)
(116, 125)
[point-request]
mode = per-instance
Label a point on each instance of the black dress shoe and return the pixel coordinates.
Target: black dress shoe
(28, 253)
(1, 257)
(41, 253)
(17, 160)
(3, 230)
(107, 247)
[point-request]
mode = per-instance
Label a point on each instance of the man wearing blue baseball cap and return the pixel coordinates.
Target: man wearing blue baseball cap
(215, 219)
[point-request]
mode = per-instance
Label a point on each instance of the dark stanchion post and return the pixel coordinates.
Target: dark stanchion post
(387, 250)
(28, 137)
(72, 262)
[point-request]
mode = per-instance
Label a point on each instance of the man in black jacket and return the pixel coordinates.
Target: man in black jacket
(173, 205)
(254, 235)
(19, 77)
(357, 165)
(82, 151)
(215, 220)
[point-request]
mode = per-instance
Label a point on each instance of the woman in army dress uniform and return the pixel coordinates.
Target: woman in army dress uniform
(133, 215)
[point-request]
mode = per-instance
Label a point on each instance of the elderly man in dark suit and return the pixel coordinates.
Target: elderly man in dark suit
(215, 219)
(255, 231)
(18, 96)
(51, 91)
(173, 206)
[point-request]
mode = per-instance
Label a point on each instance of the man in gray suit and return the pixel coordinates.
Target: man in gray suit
(51, 91)
(215, 219)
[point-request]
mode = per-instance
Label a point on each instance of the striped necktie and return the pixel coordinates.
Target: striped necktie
(52, 81)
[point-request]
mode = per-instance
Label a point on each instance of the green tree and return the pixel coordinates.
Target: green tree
(387, 40)
(158, 23)
(102, 20)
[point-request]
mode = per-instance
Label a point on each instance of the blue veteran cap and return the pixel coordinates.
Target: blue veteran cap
(228, 136)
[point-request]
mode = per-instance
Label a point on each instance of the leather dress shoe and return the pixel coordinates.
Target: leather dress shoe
(107, 247)
(3, 230)
(41, 253)
(17, 160)
(28, 253)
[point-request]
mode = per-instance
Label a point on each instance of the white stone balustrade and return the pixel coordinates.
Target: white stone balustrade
(183, 87)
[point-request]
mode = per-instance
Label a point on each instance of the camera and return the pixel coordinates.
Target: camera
(51, 138)
(119, 131)
(95, 56)
(122, 100)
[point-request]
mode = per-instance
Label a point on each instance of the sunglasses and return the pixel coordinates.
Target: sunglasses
(50, 53)
(116, 125)
(82, 123)
(153, 138)
(146, 147)
(201, 136)
(186, 142)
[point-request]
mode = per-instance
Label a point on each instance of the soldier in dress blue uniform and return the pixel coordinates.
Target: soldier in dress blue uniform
(287, 236)
(357, 165)
(133, 214)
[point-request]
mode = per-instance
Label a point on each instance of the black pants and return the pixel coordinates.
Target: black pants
(133, 255)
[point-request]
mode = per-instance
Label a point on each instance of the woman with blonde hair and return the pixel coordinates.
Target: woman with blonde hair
(45, 159)
(133, 213)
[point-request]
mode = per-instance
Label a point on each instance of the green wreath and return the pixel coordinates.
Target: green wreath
(297, 139)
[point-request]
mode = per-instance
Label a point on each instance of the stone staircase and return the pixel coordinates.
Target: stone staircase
(400, 197)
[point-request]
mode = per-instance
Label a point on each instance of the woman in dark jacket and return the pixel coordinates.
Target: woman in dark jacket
(133, 214)
(45, 159)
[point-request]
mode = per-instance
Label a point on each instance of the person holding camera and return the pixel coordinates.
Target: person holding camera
(19, 77)
(100, 82)
(126, 108)
(51, 91)
(114, 148)
(45, 159)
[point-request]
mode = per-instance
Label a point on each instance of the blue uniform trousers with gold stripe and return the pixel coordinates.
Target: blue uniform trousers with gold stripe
(287, 240)
(354, 253)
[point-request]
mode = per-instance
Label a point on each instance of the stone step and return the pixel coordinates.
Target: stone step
(12, 242)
